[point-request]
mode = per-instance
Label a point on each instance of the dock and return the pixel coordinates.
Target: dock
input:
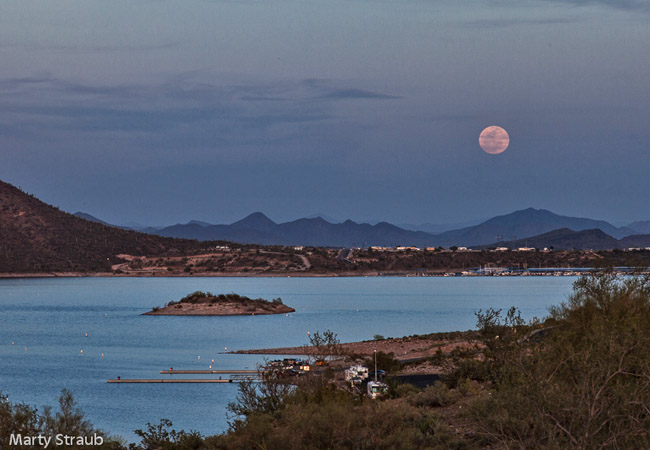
(174, 380)
(207, 372)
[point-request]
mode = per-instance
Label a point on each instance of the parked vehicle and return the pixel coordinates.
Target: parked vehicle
(377, 389)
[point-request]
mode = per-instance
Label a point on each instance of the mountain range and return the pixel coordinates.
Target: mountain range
(257, 228)
(529, 227)
(564, 238)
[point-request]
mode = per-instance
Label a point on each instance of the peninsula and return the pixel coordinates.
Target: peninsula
(207, 304)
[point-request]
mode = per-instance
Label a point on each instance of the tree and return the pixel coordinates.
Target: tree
(586, 382)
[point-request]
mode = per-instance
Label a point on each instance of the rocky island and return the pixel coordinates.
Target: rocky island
(208, 304)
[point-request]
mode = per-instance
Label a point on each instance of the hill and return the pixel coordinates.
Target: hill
(37, 237)
(640, 227)
(564, 238)
(524, 224)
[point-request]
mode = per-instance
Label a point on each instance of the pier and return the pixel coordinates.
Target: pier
(207, 372)
(176, 380)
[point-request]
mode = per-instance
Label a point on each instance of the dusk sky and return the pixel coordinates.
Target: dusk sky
(161, 111)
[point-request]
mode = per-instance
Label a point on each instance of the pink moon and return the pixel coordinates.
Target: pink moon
(494, 140)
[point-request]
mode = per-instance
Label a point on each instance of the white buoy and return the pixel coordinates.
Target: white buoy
(82, 351)
(25, 348)
(102, 355)
(213, 361)
(210, 366)
(12, 342)
(86, 334)
(199, 358)
(225, 349)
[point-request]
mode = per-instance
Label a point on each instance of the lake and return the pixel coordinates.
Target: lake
(51, 316)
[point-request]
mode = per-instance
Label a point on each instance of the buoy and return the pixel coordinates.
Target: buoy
(225, 349)
(308, 334)
(25, 348)
(82, 351)
(102, 355)
(86, 334)
(210, 367)
(199, 358)
(12, 342)
(213, 361)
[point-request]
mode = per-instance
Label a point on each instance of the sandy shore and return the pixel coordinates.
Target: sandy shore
(403, 349)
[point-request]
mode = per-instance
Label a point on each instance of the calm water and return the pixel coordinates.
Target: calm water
(50, 317)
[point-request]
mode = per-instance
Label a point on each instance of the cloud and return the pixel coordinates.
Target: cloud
(507, 22)
(355, 94)
(80, 48)
(334, 90)
(184, 112)
(632, 5)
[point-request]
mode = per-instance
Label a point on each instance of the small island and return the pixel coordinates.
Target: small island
(208, 304)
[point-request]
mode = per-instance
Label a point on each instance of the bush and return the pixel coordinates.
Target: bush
(68, 420)
(584, 385)
(434, 396)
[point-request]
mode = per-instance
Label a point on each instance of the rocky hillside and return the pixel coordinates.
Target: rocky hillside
(37, 237)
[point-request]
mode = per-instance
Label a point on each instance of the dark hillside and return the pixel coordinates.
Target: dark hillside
(37, 237)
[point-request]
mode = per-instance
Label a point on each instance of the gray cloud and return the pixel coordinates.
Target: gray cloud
(80, 48)
(508, 22)
(636, 5)
(355, 94)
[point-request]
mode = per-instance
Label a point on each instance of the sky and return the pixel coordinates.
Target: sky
(162, 111)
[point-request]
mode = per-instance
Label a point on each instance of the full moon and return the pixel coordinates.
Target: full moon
(494, 140)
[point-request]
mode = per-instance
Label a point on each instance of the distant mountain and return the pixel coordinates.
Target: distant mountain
(521, 224)
(255, 222)
(199, 222)
(636, 241)
(37, 237)
(563, 238)
(259, 229)
(86, 216)
(641, 227)
(437, 228)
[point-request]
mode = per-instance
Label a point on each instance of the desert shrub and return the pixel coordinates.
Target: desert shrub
(468, 369)
(164, 437)
(336, 419)
(469, 387)
(434, 396)
(585, 385)
(404, 390)
(19, 418)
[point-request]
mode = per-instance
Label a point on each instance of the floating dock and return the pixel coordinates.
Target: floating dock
(174, 380)
(206, 372)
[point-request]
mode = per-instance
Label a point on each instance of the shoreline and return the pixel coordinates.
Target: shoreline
(406, 274)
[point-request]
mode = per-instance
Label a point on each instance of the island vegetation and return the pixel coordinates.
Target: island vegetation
(207, 304)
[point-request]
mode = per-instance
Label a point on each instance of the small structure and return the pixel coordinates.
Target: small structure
(377, 389)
